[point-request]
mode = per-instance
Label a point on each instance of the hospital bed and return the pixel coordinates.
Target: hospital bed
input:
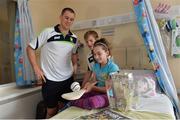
(154, 107)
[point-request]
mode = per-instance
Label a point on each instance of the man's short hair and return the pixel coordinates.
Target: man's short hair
(67, 9)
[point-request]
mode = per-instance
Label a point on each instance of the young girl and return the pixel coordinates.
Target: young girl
(95, 96)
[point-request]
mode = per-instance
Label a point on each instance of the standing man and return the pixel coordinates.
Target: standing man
(58, 60)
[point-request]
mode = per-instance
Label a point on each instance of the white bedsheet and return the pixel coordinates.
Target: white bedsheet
(159, 103)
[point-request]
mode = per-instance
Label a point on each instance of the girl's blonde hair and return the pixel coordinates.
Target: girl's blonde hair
(90, 32)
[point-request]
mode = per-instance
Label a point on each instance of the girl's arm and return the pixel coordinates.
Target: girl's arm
(86, 78)
(91, 81)
(90, 85)
(99, 89)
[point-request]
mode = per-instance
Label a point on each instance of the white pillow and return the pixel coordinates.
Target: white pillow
(146, 87)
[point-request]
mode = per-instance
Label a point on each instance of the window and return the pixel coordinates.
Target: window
(7, 18)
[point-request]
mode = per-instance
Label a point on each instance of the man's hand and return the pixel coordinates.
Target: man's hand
(32, 58)
(39, 74)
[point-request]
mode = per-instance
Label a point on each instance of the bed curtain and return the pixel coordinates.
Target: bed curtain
(154, 46)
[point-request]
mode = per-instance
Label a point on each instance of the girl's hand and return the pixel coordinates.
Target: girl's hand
(89, 85)
(108, 84)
